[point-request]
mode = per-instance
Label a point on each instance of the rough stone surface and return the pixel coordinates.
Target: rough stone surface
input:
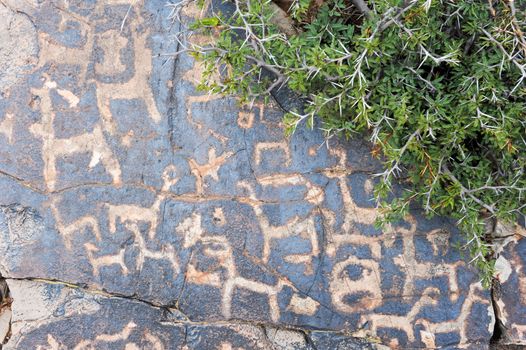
(18, 46)
(138, 213)
(510, 294)
(5, 323)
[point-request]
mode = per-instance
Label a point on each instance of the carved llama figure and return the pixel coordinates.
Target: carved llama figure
(134, 213)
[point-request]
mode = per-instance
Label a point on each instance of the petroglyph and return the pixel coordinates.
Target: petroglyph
(67, 230)
(70, 97)
(208, 169)
(352, 213)
(245, 120)
(314, 194)
(439, 239)
(191, 230)
(219, 248)
(53, 148)
(52, 52)
(203, 277)
(138, 87)
(305, 228)
(111, 42)
(104, 260)
(110, 338)
(131, 216)
(404, 323)
(367, 288)
(167, 252)
(247, 116)
(104, 340)
(136, 214)
(347, 234)
(421, 270)
(459, 324)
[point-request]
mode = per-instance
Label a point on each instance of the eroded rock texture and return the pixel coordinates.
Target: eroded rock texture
(510, 293)
(137, 213)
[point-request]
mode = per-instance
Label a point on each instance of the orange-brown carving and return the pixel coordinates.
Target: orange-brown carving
(219, 248)
(111, 41)
(421, 270)
(208, 169)
(368, 285)
(104, 341)
(138, 87)
(166, 253)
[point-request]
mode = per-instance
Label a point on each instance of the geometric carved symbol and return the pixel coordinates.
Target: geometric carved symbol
(367, 287)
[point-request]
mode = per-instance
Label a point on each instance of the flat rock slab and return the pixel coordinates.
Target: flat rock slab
(138, 213)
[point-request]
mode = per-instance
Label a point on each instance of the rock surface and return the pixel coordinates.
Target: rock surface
(510, 295)
(138, 213)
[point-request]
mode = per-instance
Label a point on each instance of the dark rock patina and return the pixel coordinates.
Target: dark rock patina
(138, 213)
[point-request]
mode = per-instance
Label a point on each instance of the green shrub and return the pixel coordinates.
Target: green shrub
(437, 86)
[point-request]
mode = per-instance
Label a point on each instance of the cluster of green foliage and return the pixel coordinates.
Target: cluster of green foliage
(438, 86)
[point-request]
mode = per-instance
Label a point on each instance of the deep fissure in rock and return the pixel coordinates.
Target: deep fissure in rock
(498, 330)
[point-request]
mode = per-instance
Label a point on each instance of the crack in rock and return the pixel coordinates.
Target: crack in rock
(93, 291)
